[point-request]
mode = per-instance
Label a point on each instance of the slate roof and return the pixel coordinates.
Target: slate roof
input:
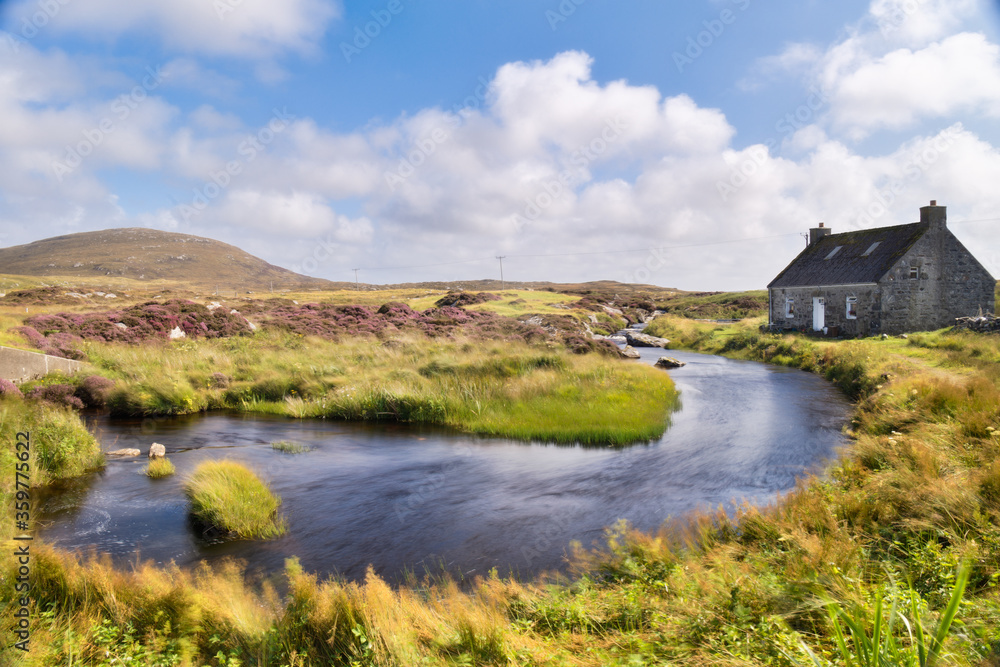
(848, 266)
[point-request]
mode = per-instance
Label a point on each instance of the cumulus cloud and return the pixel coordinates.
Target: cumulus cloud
(958, 74)
(256, 29)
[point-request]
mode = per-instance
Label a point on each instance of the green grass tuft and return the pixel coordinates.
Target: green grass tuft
(289, 447)
(228, 496)
(159, 468)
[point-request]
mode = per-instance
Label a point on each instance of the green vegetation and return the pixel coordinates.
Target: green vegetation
(891, 557)
(229, 497)
(490, 387)
(289, 447)
(717, 305)
(160, 467)
(60, 447)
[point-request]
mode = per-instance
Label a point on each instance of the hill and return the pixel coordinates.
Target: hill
(150, 255)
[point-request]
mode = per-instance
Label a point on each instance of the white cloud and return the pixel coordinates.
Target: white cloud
(959, 74)
(256, 29)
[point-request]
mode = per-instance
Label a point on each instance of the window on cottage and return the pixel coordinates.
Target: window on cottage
(852, 307)
(789, 308)
(833, 252)
(871, 249)
(914, 272)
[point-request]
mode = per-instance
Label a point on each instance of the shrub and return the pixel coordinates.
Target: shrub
(94, 390)
(228, 497)
(58, 394)
(8, 389)
(289, 447)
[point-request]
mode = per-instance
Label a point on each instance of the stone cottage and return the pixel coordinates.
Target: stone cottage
(891, 280)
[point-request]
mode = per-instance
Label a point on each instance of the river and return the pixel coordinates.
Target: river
(410, 498)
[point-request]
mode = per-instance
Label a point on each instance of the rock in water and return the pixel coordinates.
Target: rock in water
(156, 450)
(129, 451)
(669, 362)
(636, 339)
(629, 352)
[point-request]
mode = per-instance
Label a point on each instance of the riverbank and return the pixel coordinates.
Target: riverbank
(917, 494)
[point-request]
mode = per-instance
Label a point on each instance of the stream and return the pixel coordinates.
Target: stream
(408, 498)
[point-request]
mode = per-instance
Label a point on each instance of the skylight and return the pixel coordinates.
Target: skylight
(871, 249)
(833, 252)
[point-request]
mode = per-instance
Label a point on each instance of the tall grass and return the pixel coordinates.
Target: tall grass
(227, 496)
(866, 559)
(159, 468)
(508, 389)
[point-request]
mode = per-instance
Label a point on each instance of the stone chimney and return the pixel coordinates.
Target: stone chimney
(816, 233)
(934, 215)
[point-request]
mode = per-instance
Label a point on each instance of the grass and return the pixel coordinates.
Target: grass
(159, 468)
(228, 497)
(289, 447)
(895, 550)
(490, 387)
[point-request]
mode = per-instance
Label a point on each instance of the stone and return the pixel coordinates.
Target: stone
(669, 362)
(636, 339)
(156, 450)
(629, 352)
(176, 333)
(122, 326)
(128, 451)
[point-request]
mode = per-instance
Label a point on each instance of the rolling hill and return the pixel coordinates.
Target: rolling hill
(152, 255)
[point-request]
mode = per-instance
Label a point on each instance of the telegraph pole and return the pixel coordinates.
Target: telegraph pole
(356, 288)
(501, 258)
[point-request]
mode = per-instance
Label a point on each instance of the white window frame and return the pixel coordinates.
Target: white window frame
(789, 308)
(852, 313)
(914, 272)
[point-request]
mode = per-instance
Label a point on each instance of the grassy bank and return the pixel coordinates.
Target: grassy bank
(489, 387)
(887, 527)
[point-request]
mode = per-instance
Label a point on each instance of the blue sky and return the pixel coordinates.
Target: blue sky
(584, 140)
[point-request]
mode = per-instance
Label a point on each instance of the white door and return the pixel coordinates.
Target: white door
(819, 313)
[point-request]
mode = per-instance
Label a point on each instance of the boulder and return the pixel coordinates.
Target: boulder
(629, 352)
(636, 339)
(156, 450)
(176, 333)
(128, 451)
(669, 362)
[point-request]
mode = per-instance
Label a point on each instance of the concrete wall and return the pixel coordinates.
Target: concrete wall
(20, 366)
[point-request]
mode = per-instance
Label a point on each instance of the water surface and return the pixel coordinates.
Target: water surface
(413, 498)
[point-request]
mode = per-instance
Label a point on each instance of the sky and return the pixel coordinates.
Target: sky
(684, 145)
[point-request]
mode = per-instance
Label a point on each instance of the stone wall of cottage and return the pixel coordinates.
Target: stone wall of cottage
(936, 281)
(867, 308)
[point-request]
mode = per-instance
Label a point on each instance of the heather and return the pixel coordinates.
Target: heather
(60, 333)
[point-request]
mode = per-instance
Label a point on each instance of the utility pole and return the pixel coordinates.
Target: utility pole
(356, 288)
(502, 285)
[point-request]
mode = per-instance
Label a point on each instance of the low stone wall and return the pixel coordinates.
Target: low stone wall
(982, 324)
(20, 366)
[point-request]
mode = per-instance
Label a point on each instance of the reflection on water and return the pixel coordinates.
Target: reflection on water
(410, 498)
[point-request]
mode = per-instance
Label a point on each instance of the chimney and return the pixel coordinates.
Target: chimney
(816, 233)
(934, 215)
